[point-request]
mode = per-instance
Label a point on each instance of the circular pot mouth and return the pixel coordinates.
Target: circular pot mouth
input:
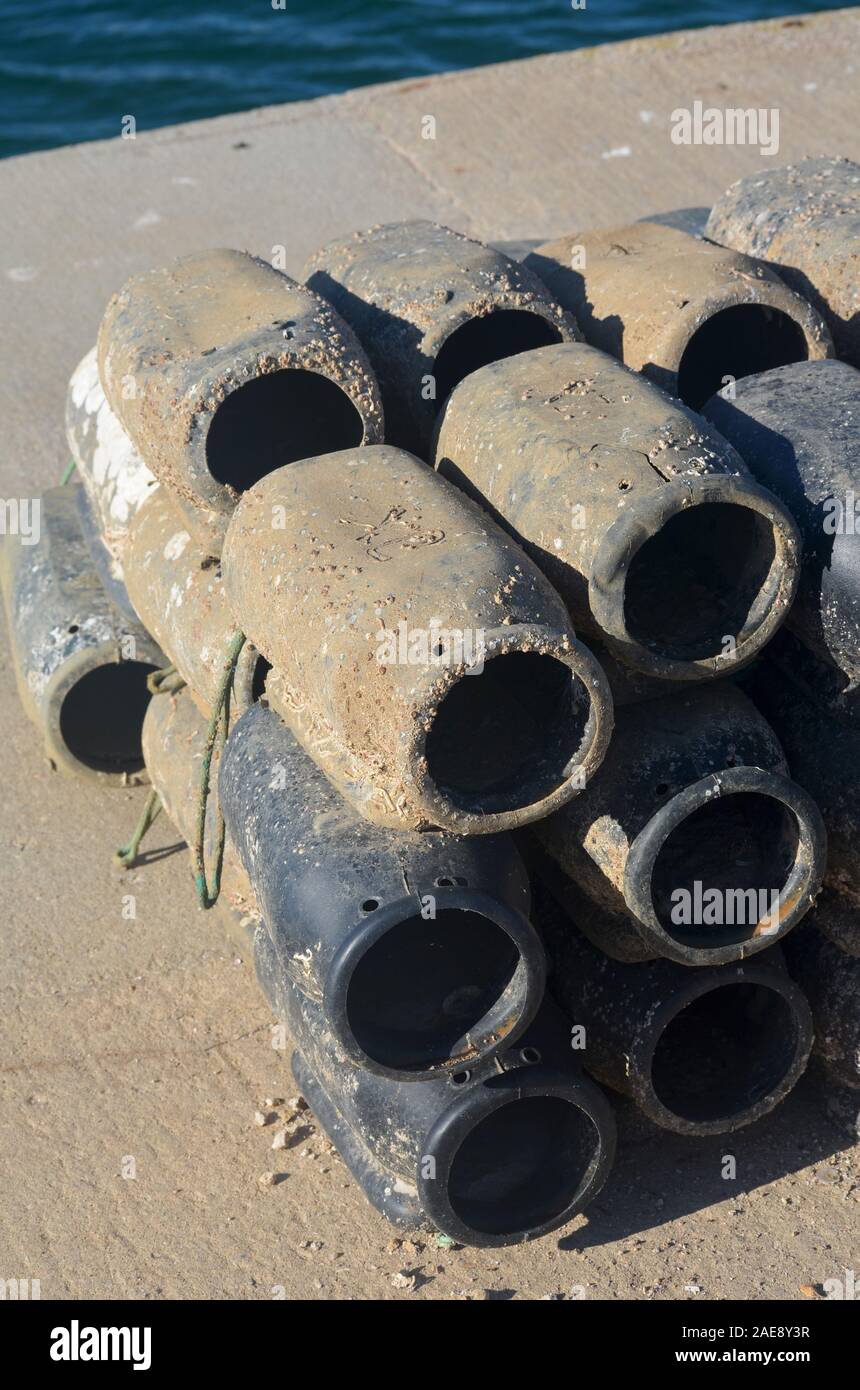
(726, 867)
(516, 1157)
(478, 338)
(415, 997)
(743, 336)
(691, 581)
(722, 1051)
(276, 418)
(95, 708)
(511, 739)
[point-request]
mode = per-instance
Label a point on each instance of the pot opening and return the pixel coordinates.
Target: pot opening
(504, 739)
(262, 667)
(428, 992)
(479, 341)
(701, 579)
(725, 1052)
(276, 419)
(101, 717)
(522, 1166)
(736, 342)
(720, 872)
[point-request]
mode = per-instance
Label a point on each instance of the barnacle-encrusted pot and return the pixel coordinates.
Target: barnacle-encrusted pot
(222, 368)
(686, 313)
(177, 590)
(431, 305)
(804, 219)
(642, 516)
(417, 653)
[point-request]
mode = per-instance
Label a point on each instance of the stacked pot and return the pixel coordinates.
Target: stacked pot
(479, 598)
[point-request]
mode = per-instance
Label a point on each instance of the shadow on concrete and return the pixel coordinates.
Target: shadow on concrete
(154, 856)
(659, 1176)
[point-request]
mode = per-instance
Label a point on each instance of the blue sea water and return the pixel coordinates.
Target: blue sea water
(71, 69)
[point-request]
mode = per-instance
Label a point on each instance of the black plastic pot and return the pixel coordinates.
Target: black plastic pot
(694, 789)
(699, 1051)
(491, 1156)
(418, 946)
(81, 664)
(820, 733)
(830, 977)
(797, 429)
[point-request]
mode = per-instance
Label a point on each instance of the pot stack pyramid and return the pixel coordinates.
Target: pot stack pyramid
(490, 630)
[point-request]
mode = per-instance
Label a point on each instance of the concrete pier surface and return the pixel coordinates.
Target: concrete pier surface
(146, 1038)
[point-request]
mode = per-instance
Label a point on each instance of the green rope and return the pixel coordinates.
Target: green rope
(126, 855)
(67, 472)
(216, 734)
(167, 681)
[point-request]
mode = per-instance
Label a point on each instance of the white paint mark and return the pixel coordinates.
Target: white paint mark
(22, 272)
(620, 152)
(175, 546)
(147, 219)
(113, 473)
(404, 1189)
